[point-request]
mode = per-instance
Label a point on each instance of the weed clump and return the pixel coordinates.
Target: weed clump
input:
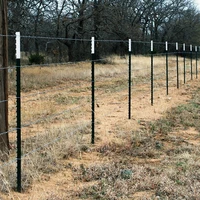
(113, 180)
(36, 59)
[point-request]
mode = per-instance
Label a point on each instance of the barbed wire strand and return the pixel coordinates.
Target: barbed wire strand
(43, 119)
(89, 40)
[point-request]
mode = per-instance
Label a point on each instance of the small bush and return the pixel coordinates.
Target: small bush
(36, 59)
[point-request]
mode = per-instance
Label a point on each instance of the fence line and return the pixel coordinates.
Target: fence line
(88, 40)
(9, 131)
(153, 79)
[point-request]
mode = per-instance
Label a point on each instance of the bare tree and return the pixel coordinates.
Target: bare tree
(4, 142)
(76, 28)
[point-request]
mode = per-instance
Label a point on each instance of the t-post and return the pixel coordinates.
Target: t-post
(177, 68)
(18, 99)
(184, 70)
(93, 85)
(129, 102)
(167, 68)
(152, 72)
(191, 61)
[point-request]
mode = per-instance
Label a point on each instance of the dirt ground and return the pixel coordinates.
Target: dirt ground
(111, 113)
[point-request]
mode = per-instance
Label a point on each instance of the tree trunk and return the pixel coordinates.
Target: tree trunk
(4, 142)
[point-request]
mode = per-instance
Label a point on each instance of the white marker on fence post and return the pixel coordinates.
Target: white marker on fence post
(18, 53)
(190, 47)
(184, 47)
(166, 46)
(92, 46)
(129, 45)
(151, 45)
(176, 46)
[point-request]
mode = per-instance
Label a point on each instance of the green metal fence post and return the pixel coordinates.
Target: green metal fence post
(191, 62)
(129, 108)
(177, 67)
(184, 70)
(167, 69)
(196, 62)
(93, 89)
(152, 73)
(18, 99)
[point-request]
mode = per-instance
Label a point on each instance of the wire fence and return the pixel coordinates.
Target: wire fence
(57, 83)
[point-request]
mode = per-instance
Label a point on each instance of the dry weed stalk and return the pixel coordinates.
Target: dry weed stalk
(4, 185)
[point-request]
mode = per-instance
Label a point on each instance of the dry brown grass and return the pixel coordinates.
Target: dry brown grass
(156, 163)
(36, 77)
(42, 154)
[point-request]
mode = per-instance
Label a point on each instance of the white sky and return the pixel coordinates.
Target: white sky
(197, 2)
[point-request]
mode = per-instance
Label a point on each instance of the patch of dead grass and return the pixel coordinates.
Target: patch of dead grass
(42, 154)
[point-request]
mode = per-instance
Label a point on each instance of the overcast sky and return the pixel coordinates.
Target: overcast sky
(197, 2)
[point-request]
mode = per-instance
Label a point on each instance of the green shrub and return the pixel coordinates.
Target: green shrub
(36, 59)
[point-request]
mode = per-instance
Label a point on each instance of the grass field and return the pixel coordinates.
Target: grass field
(155, 155)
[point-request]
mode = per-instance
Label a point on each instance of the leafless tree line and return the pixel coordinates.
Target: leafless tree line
(160, 20)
